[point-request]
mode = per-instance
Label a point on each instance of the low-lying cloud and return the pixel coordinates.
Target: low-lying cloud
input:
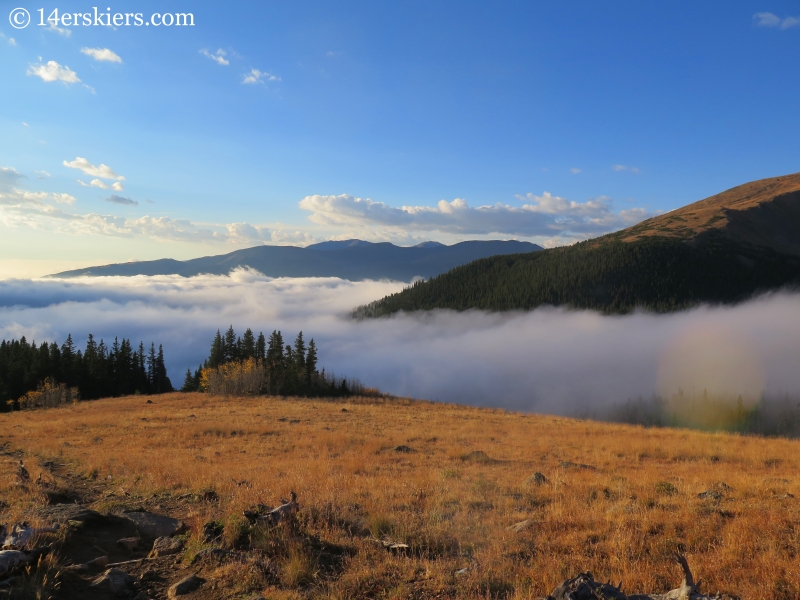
(548, 360)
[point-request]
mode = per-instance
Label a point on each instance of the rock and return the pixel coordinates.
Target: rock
(404, 449)
(185, 586)
(113, 580)
(209, 496)
(11, 559)
(131, 543)
(61, 513)
(478, 456)
(164, 546)
(212, 530)
(154, 526)
(537, 479)
(101, 562)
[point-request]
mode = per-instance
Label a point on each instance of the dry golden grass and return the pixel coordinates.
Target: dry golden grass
(621, 520)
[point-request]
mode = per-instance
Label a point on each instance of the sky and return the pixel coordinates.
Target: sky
(297, 122)
(546, 360)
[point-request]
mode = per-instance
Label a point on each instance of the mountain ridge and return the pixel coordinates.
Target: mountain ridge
(349, 259)
(723, 249)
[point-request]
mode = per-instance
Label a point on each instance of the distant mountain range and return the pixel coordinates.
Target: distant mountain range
(722, 249)
(349, 259)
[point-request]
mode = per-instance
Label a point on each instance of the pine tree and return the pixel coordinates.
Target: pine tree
(217, 356)
(230, 347)
(261, 346)
(248, 347)
(299, 354)
(311, 361)
(188, 382)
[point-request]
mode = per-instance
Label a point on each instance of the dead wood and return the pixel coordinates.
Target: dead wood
(584, 587)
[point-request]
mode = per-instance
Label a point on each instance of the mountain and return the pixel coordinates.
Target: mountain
(350, 259)
(722, 249)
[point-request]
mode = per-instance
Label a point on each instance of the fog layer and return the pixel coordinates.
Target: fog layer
(548, 360)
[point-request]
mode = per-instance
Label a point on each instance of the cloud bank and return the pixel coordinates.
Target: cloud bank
(544, 215)
(547, 360)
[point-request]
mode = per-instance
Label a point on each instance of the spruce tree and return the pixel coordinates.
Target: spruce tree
(217, 356)
(248, 348)
(188, 382)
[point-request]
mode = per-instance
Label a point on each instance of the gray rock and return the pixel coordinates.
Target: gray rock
(537, 479)
(114, 580)
(61, 513)
(154, 526)
(164, 546)
(185, 586)
(131, 543)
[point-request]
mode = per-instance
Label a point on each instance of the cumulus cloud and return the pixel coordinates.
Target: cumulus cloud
(102, 54)
(544, 215)
(218, 56)
(114, 199)
(767, 19)
(546, 360)
(256, 76)
(117, 186)
(52, 71)
(101, 170)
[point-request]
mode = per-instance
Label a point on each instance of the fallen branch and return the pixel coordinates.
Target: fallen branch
(584, 587)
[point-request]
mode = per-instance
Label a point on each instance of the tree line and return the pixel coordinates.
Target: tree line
(98, 371)
(250, 364)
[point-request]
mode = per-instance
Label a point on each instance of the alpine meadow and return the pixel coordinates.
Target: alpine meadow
(413, 301)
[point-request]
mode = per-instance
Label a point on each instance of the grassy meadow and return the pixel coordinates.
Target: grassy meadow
(453, 482)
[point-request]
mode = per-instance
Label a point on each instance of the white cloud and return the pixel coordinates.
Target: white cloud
(218, 56)
(52, 71)
(767, 19)
(256, 76)
(619, 168)
(114, 199)
(9, 178)
(102, 54)
(574, 170)
(16, 197)
(116, 186)
(61, 31)
(544, 215)
(101, 170)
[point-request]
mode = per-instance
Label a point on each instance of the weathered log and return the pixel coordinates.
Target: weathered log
(263, 514)
(584, 587)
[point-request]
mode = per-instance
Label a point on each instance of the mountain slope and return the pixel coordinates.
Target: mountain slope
(721, 249)
(351, 259)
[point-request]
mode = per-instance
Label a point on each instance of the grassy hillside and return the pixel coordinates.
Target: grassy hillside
(454, 483)
(659, 274)
(722, 249)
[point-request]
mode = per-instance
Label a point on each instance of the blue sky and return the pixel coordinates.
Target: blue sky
(289, 123)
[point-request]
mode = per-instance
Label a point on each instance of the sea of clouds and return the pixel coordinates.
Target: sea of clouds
(547, 360)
